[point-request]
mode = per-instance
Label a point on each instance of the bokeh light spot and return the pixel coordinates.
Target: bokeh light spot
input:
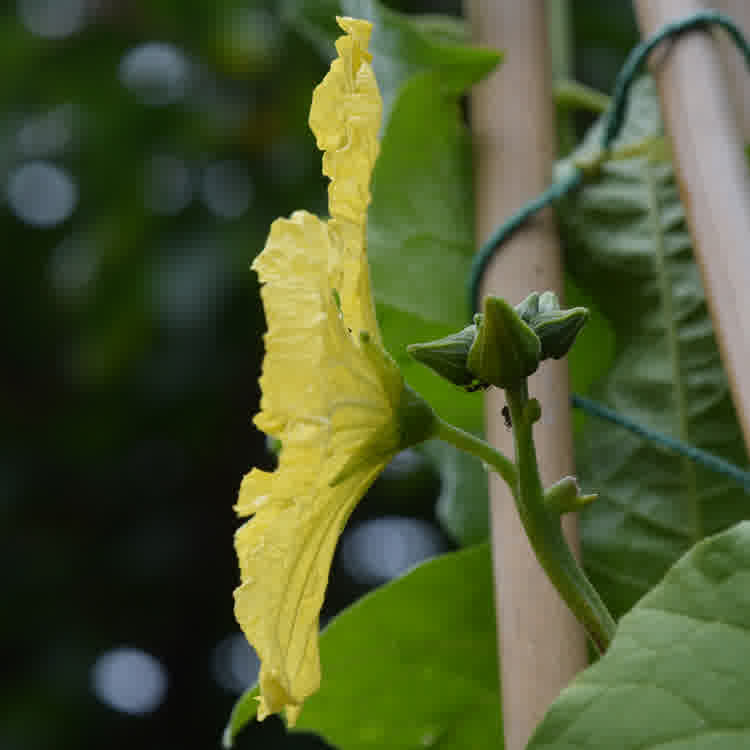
(376, 551)
(72, 266)
(157, 72)
(234, 663)
(53, 19)
(41, 194)
(169, 187)
(129, 680)
(227, 188)
(251, 37)
(46, 135)
(188, 287)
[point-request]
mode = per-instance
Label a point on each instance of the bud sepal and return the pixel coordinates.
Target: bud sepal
(447, 357)
(557, 328)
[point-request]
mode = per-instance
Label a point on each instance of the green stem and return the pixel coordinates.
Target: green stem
(560, 45)
(542, 525)
(544, 529)
(475, 446)
(574, 95)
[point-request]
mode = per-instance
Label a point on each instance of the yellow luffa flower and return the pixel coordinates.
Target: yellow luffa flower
(331, 394)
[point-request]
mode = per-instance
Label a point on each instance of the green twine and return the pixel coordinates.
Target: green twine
(709, 460)
(478, 265)
(613, 120)
(614, 117)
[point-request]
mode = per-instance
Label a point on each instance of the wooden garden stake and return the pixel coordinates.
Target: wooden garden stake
(713, 181)
(541, 644)
(734, 62)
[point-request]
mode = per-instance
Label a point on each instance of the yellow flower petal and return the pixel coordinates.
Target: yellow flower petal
(330, 393)
(286, 552)
(345, 118)
(332, 399)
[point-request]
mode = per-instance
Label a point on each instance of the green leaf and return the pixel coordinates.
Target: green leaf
(402, 45)
(629, 248)
(243, 711)
(591, 357)
(420, 235)
(677, 674)
(316, 21)
(413, 664)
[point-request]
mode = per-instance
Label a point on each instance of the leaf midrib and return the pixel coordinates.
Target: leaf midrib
(670, 328)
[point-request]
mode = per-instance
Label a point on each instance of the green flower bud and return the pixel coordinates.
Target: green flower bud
(447, 357)
(565, 496)
(506, 350)
(557, 329)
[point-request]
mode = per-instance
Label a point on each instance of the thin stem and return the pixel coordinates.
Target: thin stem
(542, 525)
(544, 529)
(476, 447)
(574, 95)
(560, 45)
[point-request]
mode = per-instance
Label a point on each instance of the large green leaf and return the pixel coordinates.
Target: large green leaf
(629, 248)
(593, 352)
(677, 674)
(402, 45)
(420, 237)
(413, 664)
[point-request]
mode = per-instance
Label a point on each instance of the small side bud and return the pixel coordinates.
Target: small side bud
(532, 411)
(565, 497)
(447, 357)
(506, 350)
(558, 330)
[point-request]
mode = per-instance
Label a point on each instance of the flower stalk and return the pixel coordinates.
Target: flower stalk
(544, 529)
(507, 345)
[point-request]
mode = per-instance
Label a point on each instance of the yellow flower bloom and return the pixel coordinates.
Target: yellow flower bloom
(331, 394)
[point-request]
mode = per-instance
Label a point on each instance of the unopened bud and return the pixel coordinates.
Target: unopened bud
(447, 357)
(506, 350)
(565, 496)
(557, 328)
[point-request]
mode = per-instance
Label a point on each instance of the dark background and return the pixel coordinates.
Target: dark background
(145, 148)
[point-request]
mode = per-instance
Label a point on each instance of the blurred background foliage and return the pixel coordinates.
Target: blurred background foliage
(145, 147)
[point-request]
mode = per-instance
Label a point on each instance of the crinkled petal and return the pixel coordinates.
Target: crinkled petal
(293, 269)
(345, 117)
(285, 554)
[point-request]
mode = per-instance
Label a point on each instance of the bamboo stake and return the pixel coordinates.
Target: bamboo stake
(541, 644)
(713, 182)
(734, 62)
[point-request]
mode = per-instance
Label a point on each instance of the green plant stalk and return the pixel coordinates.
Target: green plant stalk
(477, 447)
(544, 529)
(542, 525)
(571, 94)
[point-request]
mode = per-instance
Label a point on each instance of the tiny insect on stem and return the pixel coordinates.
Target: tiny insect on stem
(506, 417)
